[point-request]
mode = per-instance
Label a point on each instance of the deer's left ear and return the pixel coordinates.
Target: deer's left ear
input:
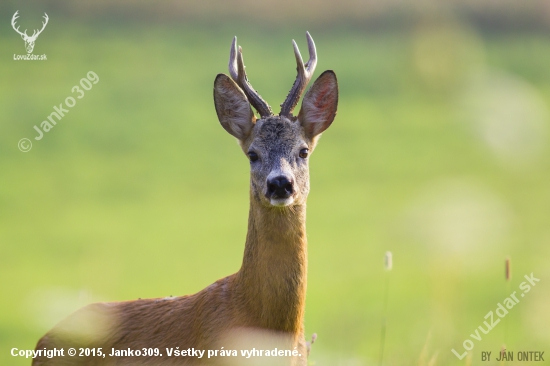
(319, 104)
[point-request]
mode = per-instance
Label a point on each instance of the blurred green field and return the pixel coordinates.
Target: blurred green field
(439, 153)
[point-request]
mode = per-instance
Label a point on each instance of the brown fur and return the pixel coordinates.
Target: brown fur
(267, 293)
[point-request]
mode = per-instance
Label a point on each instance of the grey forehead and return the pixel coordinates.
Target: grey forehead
(277, 130)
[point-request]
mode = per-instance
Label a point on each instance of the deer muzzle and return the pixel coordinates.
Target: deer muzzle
(280, 190)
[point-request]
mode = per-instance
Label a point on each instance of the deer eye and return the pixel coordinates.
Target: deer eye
(252, 156)
(304, 153)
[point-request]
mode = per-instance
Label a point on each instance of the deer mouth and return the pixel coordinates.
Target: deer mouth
(281, 202)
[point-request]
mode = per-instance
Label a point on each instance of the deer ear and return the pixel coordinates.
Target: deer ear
(319, 104)
(232, 107)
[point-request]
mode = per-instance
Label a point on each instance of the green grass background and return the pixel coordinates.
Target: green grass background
(139, 192)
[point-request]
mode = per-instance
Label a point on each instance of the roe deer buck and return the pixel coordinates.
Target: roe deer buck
(262, 305)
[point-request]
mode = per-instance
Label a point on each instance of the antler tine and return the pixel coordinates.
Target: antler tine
(305, 72)
(13, 19)
(238, 74)
(233, 70)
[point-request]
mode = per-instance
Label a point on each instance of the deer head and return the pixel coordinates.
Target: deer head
(29, 40)
(278, 147)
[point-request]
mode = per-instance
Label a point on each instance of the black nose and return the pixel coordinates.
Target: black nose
(279, 187)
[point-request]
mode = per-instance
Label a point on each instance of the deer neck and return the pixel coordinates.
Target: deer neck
(272, 280)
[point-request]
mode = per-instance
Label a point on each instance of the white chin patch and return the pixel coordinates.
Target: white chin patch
(281, 202)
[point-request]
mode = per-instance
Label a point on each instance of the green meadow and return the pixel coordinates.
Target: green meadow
(439, 154)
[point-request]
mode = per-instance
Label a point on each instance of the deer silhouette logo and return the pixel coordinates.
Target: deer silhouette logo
(29, 40)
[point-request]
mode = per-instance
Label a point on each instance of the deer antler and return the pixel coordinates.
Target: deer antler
(37, 32)
(13, 19)
(238, 74)
(305, 72)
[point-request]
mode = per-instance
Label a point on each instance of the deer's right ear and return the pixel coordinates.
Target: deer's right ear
(232, 107)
